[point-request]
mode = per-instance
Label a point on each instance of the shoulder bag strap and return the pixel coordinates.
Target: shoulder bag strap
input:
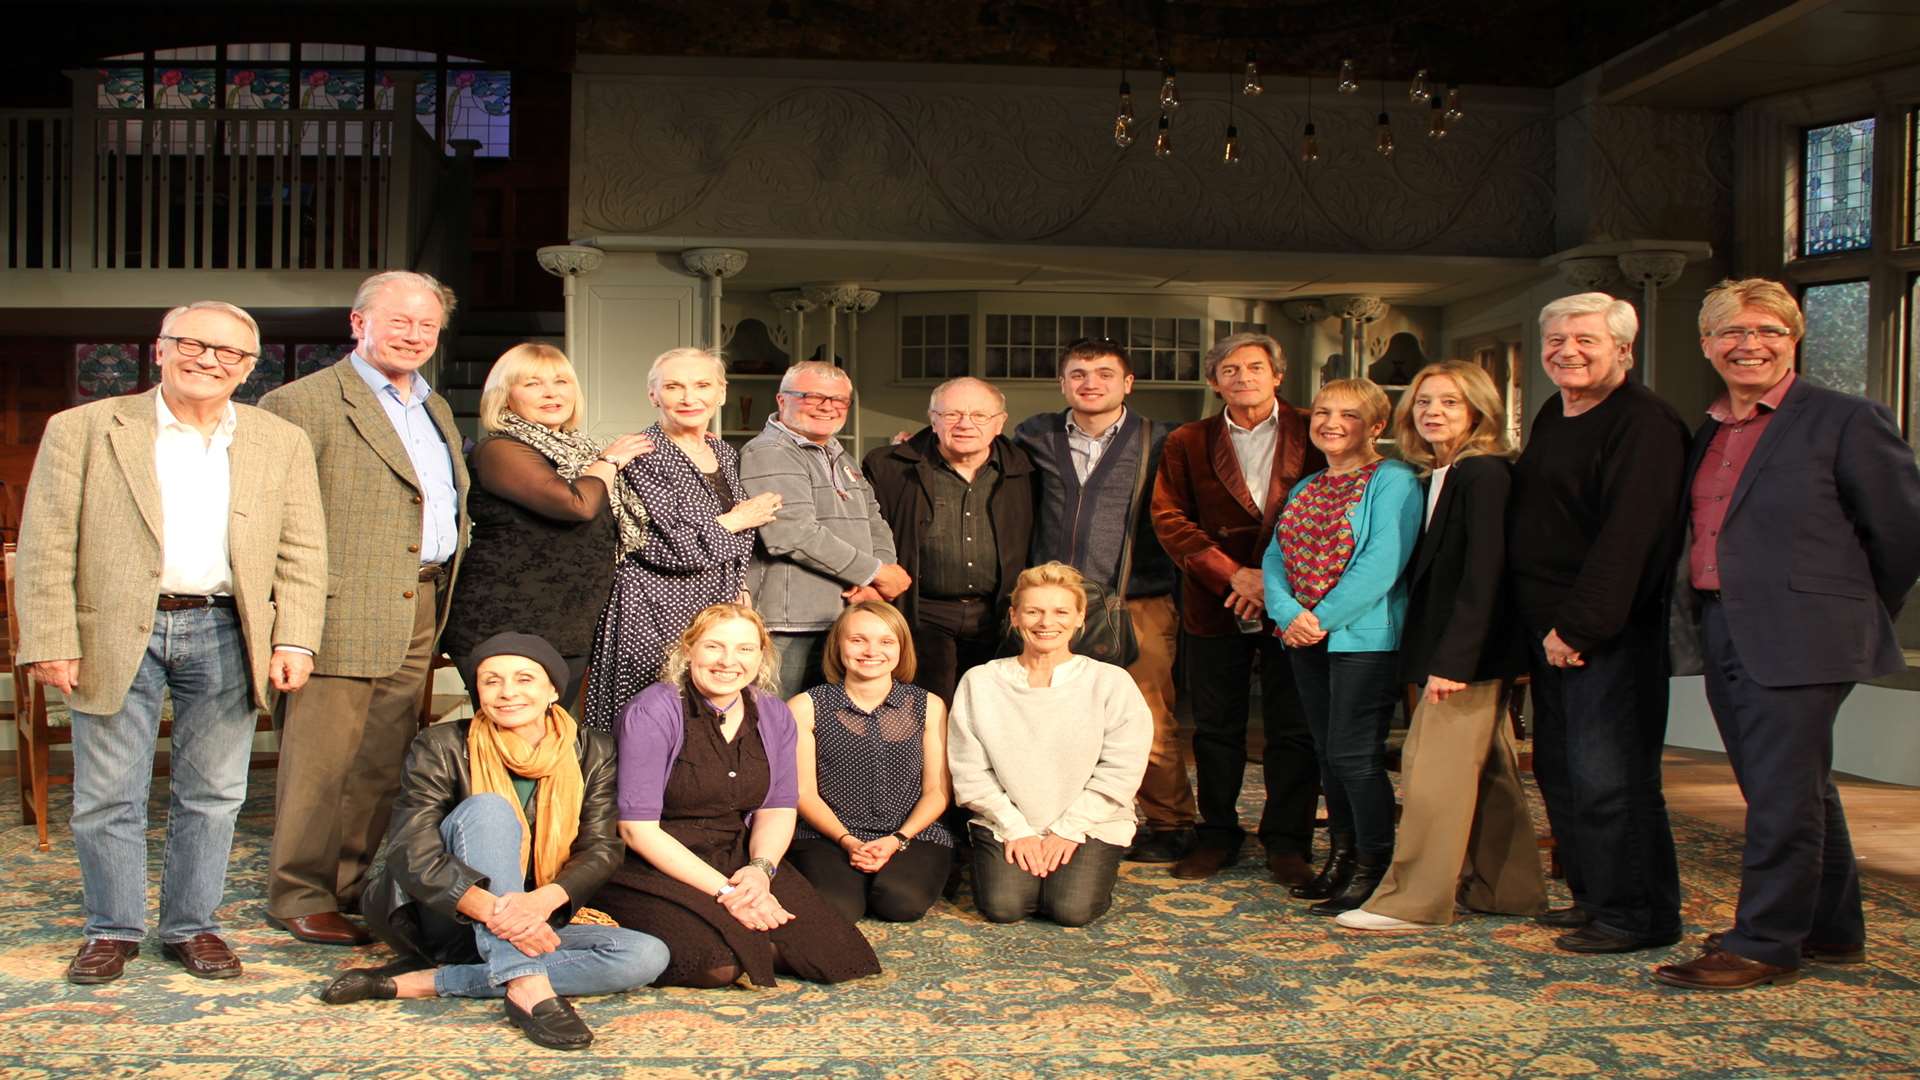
(1133, 508)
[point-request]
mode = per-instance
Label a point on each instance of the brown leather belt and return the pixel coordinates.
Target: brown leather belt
(433, 571)
(176, 602)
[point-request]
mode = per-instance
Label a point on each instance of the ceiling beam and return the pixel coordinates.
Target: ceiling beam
(1700, 40)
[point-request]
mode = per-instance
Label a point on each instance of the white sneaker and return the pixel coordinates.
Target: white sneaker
(1362, 919)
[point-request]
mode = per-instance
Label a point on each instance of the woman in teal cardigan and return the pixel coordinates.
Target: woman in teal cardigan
(1336, 588)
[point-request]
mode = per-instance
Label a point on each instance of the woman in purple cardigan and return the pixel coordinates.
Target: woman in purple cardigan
(708, 800)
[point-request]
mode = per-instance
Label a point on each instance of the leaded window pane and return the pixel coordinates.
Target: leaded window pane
(1834, 352)
(1836, 198)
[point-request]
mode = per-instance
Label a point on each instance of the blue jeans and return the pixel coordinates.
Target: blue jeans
(799, 660)
(199, 658)
(1348, 698)
(484, 833)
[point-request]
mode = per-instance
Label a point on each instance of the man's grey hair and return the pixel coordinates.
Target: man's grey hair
(684, 353)
(933, 400)
(1623, 323)
(814, 367)
(1226, 347)
(167, 321)
(370, 288)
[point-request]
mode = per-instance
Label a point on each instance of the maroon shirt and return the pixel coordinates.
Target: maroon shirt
(1719, 474)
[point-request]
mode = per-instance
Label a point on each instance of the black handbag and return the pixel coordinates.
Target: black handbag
(1107, 633)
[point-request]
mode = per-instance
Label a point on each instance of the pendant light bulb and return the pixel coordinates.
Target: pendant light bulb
(1169, 93)
(1126, 101)
(1163, 139)
(1250, 80)
(1231, 155)
(1349, 83)
(1419, 89)
(1437, 125)
(1383, 136)
(1454, 112)
(1309, 145)
(1122, 132)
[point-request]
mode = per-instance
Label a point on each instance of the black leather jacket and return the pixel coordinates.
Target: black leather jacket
(420, 870)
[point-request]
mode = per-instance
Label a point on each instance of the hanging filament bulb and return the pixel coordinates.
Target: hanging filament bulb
(1419, 89)
(1309, 144)
(1123, 119)
(1169, 93)
(1383, 136)
(1231, 154)
(1349, 83)
(1454, 112)
(1126, 100)
(1163, 139)
(1437, 125)
(1250, 79)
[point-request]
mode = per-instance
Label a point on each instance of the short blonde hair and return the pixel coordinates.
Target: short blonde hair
(684, 353)
(372, 286)
(1374, 406)
(517, 365)
(1486, 435)
(1726, 300)
(675, 668)
(835, 668)
(1057, 574)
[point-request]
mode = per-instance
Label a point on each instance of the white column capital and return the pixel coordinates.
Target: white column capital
(1305, 312)
(1591, 273)
(569, 260)
(1653, 269)
(714, 262)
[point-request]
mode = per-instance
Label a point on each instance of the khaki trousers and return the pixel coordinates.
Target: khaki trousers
(1166, 795)
(343, 744)
(1462, 804)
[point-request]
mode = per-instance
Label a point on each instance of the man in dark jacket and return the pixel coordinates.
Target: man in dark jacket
(959, 498)
(1087, 462)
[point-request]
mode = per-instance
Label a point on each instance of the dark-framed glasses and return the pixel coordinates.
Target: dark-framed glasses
(811, 400)
(226, 354)
(1737, 335)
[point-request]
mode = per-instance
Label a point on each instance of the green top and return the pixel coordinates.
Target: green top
(523, 787)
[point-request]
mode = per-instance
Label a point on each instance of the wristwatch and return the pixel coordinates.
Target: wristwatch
(764, 867)
(904, 841)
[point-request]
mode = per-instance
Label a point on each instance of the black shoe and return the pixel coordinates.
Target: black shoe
(1332, 876)
(1594, 938)
(1161, 846)
(552, 1024)
(1571, 917)
(1364, 878)
(359, 984)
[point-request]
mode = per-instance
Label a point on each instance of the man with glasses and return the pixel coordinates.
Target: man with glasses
(1087, 458)
(828, 546)
(394, 485)
(959, 497)
(172, 544)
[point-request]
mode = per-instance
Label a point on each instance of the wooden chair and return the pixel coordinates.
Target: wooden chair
(437, 707)
(40, 720)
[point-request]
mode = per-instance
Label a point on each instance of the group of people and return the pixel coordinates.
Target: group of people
(809, 688)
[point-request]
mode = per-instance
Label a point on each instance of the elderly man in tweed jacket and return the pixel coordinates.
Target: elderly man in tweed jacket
(394, 484)
(172, 544)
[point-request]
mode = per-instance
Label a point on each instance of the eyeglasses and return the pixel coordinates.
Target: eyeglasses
(1737, 335)
(978, 419)
(813, 401)
(226, 354)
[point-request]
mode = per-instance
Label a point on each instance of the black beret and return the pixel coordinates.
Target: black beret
(532, 646)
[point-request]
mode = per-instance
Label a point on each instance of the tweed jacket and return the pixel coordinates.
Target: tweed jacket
(90, 544)
(373, 503)
(1206, 518)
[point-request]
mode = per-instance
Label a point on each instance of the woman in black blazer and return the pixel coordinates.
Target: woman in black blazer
(1462, 800)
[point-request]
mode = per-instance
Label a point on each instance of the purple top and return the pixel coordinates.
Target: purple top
(651, 732)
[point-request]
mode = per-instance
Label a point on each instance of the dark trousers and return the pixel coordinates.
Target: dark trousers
(1348, 698)
(1075, 894)
(1598, 734)
(1219, 679)
(951, 638)
(902, 891)
(1798, 878)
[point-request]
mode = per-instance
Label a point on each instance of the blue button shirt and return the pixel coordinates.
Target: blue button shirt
(432, 463)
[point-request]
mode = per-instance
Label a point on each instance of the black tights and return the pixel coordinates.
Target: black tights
(721, 975)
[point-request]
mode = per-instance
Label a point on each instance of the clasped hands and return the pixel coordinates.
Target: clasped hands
(520, 919)
(871, 856)
(1040, 855)
(751, 900)
(888, 582)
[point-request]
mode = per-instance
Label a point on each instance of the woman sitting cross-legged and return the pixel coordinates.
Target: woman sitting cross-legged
(707, 808)
(873, 773)
(1047, 750)
(503, 827)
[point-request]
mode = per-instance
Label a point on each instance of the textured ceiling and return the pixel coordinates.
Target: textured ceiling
(1499, 42)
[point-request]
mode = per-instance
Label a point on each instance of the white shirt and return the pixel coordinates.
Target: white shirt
(1086, 450)
(194, 493)
(1254, 447)
(1433, 490)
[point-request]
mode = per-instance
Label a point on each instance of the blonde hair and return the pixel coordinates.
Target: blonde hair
(675, 668)
(517, 365)
(1374, 406)
(371, 287)
(835, 668)
(685, 353)
(1057, 574)
(1725, 301)
(166, 322)
(1487, 434)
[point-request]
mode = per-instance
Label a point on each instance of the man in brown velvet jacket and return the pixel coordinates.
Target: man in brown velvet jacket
(1221, 485)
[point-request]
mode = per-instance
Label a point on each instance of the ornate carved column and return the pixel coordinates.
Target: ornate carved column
(836, 298)
(714, 264)
(1652, 271)
(864, 301)
(567, 262)
(1355, 313)
(1592, 273)
(793, 303)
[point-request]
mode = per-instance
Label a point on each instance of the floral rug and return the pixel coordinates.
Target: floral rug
(1218, 978)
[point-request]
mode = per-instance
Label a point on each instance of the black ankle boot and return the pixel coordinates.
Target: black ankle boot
(1333, 876)
(1365, 877)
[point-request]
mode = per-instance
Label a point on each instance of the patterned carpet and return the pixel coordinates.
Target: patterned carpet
(1223, 978)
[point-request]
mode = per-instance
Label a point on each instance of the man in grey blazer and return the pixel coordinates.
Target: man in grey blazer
(172, 544)
(394, 485)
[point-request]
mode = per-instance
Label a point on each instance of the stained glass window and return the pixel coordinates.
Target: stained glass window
(308, 359)
(269, 372)
(479, 107)
(1834, 352)
(257, 88)
(1836, 197)
(331, 88)
(426, 94)
(105, 370)
(183, 88)
(279, 51)
(122, 88)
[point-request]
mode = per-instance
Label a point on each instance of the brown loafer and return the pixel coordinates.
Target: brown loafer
(1288, 868)
(1204, 861)
(322, 928)
(204, 956)
(100, 960)
(1722, 970)
(1819, 954)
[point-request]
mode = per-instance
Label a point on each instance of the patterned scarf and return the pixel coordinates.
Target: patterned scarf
(495, 757)
(571, 452)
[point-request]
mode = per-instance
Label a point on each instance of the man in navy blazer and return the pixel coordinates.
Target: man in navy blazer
(1804, 515)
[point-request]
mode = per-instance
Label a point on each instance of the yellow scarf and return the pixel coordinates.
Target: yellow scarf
(495, 757)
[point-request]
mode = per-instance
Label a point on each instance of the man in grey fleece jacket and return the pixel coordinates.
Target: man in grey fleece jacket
(828, 546)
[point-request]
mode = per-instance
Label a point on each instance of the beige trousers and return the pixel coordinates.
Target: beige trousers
(1462, 805)
(1166, 795)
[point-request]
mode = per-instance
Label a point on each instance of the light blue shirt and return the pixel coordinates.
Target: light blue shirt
(432, 461)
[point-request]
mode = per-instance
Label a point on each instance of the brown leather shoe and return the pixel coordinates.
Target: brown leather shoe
(204, 956)
(1722, 970)
(1205, 861)
(1819, 954)
(101, 960)
(322, 928)
(1288, 868)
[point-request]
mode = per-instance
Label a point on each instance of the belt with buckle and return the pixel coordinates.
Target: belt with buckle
(177, 602)
(433, 571)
